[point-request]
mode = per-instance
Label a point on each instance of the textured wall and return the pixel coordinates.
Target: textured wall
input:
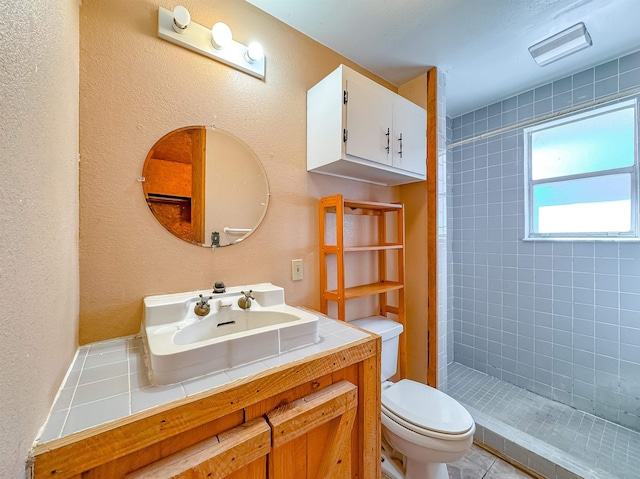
(559, 318)
(38, 215)
(414, 197)
(134, 88)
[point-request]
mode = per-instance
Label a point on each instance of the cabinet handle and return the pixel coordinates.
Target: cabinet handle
(388, 140)
(400, 140)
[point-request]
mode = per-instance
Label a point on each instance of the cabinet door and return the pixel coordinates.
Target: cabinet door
(311, 437)
(409, 143)
(368, 121)
(238, 453)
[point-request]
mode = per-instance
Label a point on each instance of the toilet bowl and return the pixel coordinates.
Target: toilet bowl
(422, 427)
(426, 427)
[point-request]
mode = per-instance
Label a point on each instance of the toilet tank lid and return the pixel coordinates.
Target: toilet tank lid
(386, 328)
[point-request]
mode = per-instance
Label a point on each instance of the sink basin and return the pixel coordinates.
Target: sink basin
(181, 345)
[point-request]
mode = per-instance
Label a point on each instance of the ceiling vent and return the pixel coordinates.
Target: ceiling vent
(561, 44)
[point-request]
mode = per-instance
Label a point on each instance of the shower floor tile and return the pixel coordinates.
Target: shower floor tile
(603, 448)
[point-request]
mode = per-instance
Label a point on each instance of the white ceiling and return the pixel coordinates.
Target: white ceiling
(482, 45)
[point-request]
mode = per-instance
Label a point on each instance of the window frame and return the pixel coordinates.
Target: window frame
(529, 233)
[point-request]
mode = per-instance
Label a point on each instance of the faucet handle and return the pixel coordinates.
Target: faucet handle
(245, 301)
(203, 301)
(248, 295)
(202, 307)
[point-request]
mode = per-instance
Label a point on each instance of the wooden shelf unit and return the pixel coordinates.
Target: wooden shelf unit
(340, 207)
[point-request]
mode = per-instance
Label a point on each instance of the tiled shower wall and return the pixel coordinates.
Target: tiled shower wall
(449, 223)
(558, 318)
(444, 353)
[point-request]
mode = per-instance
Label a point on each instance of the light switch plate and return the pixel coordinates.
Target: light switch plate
(297, 271)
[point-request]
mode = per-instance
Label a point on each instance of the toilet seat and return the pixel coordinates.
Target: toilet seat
(425, 410)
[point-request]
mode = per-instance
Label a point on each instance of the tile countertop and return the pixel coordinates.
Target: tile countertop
(108, 380)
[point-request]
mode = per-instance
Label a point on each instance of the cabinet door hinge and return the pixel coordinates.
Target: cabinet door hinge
(345, 96)
(345, 135)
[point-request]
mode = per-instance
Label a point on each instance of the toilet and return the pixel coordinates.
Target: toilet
(422, 428)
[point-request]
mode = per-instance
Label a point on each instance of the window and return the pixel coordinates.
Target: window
(582, 175)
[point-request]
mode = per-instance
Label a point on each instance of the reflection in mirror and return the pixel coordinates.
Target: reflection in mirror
(205, 186)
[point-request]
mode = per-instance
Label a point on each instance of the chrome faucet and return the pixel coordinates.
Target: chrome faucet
(202, 307)
(245, 301)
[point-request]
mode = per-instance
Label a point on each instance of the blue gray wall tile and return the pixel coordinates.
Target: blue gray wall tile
(559, 318)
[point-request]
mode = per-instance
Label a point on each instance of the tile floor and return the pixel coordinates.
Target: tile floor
(479, 463)
(537, 429)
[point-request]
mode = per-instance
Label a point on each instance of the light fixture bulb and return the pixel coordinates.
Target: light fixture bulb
(254, 52)
(220, 35)
(181, 19)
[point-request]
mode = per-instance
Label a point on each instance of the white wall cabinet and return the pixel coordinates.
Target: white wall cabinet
(360, 130)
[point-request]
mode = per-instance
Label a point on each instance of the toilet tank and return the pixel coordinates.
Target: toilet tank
(390, 332)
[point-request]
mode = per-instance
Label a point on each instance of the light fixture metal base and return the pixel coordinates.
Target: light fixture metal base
(197, 38)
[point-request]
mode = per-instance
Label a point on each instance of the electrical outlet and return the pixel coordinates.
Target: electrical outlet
(297, 272)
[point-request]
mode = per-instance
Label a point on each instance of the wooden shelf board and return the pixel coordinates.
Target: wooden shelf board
(365, 290)
(358, 207)
(331, 295)
(393, 309)
(382, 247)
(332, 249)
(370, 205)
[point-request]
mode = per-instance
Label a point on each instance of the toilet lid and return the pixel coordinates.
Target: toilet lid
(426, 407)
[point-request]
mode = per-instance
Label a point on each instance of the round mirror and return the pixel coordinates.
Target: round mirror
(205, 186)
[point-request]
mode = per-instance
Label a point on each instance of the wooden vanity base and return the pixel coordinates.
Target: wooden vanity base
(314, 418)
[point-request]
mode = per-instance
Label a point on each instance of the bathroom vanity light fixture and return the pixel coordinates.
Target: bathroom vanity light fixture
(221, 36)
(181, 19)
(254, 53)
(216, 43)
(561, 44)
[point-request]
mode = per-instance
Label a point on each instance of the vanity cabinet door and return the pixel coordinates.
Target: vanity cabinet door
(311, 437)
(240, 452)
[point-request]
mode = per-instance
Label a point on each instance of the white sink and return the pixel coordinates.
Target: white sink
(181, 345)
